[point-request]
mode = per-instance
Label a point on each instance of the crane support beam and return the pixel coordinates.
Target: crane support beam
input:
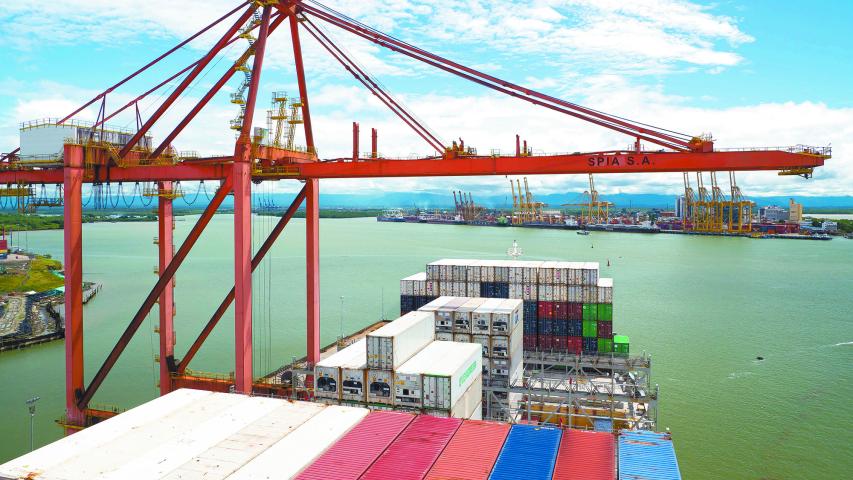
(312, 264)
(610, 162)
(300, 78)
(165, 250)
(226, 302)
(73, 238)
(243, 223)
(85, 396)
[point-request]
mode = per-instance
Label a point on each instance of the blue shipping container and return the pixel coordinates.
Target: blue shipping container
(590, 345)
(529, 453)
(561, 328)
(575, 328)
(647, 455)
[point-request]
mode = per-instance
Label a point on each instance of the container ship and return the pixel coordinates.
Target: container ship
(495, 369)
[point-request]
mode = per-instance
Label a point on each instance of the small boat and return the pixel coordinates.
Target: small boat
(583, 232)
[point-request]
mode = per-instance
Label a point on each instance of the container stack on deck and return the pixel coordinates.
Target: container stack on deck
(567, 307)
(496, 325)
(400, 366)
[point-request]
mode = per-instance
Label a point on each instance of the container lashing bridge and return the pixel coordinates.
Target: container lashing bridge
(96, 161)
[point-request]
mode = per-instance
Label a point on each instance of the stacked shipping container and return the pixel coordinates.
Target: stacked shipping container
(400, 365)
(493, 323)
(567, 306)
(181, 435)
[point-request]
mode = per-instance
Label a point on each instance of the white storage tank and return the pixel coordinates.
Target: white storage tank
(393, 344)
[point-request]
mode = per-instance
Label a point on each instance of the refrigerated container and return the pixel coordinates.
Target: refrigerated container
(462, 317)
(393, 344)
(481, 317)
(466, 406)
(605, 290)
(462, 337)
(484, 340)
(448, 370)
(327, 372)
(506, 316)
(444, 314)
(504, 345)
(380, 386)
(444, 336)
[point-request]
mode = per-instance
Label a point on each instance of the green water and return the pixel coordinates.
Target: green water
(704, 308)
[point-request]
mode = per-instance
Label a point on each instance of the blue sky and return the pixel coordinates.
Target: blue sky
(754, 73)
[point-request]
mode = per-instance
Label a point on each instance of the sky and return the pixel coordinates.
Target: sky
(751, 73)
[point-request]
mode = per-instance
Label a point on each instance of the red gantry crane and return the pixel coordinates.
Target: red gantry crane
(97, 158)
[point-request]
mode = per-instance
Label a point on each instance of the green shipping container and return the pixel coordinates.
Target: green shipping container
(621, 344)
(590, 329)
(605, 345)
(590, 311)
(605, 312)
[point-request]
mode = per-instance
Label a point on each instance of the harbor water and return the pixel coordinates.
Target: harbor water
(704, 307)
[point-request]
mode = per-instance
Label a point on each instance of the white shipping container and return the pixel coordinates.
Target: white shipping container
(487, 271)
(393, 344)
(472, 271)
(516, 290)
(546, 292)
(436, 304)
(467, 405)
(590, 273)
(462, 315)
(431, 288)
(444, 314)
(605, 290)
(506, 316)
(354, 383)
(561, 293)
(575, 273)
(303, 445)
(503, 345)
(444, 336)
(546, 272)
(589, 293)
(449, 368)
(462, 337)
(408, 388)
(501, 368)
(575, 294)
(380, 386)
(502, 271)
(484, 340)
(530, 292)
(482, 317)
(445, 288)
(516, 273)
(327, 372)
(460, 289)
(419, 287)
(473, 289)
(531, 272)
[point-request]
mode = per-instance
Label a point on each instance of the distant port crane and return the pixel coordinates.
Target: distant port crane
(100, 156)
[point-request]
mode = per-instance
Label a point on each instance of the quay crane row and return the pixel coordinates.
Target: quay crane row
(94, 160)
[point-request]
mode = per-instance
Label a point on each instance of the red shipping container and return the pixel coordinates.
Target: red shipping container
(560, 343)
(356, 451)
(546, 342)
(585, 455)
(561, 310)
(604, 329)
(471, 453)
(546, 310)
(575, 311)
(574, 345)
(530, 342)
(415, 450)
